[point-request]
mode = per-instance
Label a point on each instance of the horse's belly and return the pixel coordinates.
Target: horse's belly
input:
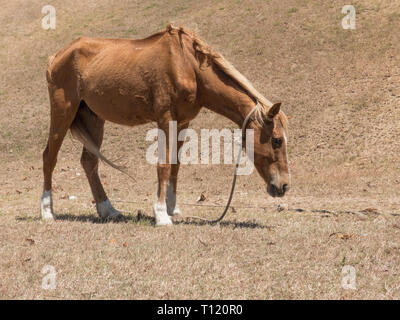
(119, 107)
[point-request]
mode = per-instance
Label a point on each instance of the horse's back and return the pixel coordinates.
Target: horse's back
(83, 49)
(123, 79)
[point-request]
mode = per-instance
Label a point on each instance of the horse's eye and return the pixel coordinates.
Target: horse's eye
(276, 143)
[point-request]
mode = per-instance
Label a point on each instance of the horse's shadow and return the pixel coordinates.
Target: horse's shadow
(234, 224)
(128, 217)
(92, 218)
(139, 218)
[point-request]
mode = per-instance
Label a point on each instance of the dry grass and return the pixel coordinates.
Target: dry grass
(340, 89)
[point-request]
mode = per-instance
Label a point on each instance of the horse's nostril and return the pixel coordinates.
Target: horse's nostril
(276, 191)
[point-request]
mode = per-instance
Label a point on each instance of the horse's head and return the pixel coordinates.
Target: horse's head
(270, 151)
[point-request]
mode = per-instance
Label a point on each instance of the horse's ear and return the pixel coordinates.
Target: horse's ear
(274, 110)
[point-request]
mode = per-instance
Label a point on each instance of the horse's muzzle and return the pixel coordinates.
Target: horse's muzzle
(275, 191)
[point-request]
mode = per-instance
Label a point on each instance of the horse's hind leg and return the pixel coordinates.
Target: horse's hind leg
(63, 112)
(95, 129)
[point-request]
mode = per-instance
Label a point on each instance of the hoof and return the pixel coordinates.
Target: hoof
(175, 212)
(107, 211)
(46, 206)
(164, 223)
(46, 215)
(161, 215)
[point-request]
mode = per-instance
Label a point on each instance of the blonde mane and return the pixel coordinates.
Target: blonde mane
(224, 65)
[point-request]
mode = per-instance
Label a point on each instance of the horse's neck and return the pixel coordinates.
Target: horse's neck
(221, 95)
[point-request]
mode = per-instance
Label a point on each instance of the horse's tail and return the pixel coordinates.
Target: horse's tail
(79, 132)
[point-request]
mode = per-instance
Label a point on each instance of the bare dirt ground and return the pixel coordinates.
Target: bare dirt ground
(341, 89)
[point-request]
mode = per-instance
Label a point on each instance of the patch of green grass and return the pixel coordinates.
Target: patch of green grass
(395, 16)
(140, 219)
(343, 262)
(181, 8)
(360, 8)
(292, 11)
(151, 6)
(118, 22)
(27, 218)
(309, 27)
(18, 148)
(131, 31)
(280, 27)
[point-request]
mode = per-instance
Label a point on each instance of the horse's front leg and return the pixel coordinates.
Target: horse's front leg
(163, 173)
(160, 207)
(172, 207)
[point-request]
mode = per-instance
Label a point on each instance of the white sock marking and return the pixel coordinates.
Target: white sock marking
(106, 210)
(161, 214)
(46, 206)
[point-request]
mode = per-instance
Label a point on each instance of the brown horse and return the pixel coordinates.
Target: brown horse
(168, 76)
